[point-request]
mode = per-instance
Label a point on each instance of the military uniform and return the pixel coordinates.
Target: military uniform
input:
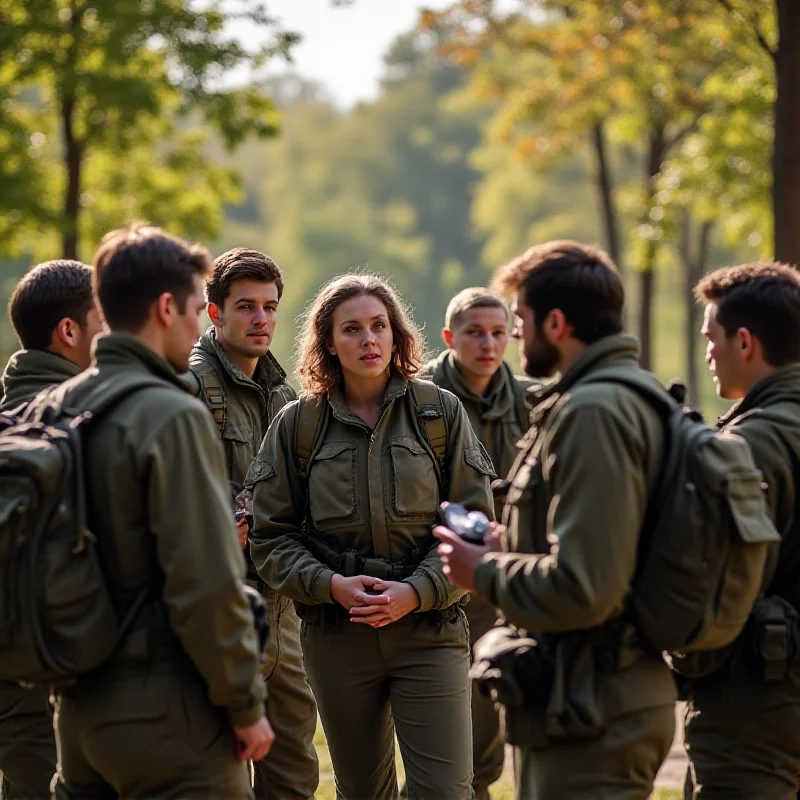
(741, 732)
(499, 418)
(574, 511)
(27, 741)
(372, 496)
(156, 720)
(243, 409)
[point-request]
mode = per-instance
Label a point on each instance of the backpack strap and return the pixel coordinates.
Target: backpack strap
(429, 417)
(656, 395)
(214, 393)
(311, 424)
(53, 405)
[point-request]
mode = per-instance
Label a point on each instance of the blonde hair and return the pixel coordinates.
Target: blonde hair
(467, 299)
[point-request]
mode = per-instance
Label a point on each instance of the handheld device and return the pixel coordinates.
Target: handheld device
(471, 526)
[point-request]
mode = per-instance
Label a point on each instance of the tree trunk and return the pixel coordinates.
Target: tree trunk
(73, 161)
(655, 155)
(786, 153)
(646, 286)
(605, 187)
(73, 147)
(694, 266)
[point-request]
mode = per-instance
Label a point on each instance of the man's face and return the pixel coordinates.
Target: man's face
(480, 340)
(246, 323)
(93, 327)
(723, 357)
(185, 330)
(539, 357)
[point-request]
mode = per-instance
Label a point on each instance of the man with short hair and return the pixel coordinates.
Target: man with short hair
(743, 720)
(476, 333)
(54, 317)
(589, 726)
(233, 371)
(179, 708)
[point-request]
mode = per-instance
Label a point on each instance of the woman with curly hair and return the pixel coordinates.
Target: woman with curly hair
(347, 485)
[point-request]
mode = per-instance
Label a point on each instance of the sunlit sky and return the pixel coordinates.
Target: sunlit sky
(343, 47)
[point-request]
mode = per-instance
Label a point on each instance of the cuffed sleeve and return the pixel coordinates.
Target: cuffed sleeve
(277, 543)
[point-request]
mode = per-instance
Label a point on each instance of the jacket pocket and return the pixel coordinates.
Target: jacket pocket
(414, 490)
(239, 450)
(331, 484)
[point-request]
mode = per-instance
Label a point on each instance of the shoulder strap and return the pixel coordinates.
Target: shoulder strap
(429, 414)
(655, 394)
(213, 389)
(103, 398)
(311, 424)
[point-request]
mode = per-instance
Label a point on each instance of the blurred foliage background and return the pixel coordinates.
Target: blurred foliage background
(652, 127)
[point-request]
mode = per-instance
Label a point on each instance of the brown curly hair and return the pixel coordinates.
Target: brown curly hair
(317, 370)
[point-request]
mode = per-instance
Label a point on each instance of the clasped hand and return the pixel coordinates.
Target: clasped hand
(372, 601)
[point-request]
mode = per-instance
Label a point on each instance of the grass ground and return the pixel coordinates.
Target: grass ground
(502, 790)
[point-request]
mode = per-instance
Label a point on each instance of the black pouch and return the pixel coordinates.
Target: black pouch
(516, 672)
(772, 634)
(574, 711)
(328, 616)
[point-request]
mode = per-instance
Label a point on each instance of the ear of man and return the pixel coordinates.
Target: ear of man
(66, 334)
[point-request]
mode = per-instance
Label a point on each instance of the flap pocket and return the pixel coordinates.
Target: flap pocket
(410, 444)
(332, 484)
(748, 507)
(237, 433)
(332, 449)
(414, 489)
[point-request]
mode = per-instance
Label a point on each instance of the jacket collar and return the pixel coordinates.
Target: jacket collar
(268, 375)
(621, 348)
(121, 350)
(782, 384)
(397, 387)
(29, 372)
(498, 402)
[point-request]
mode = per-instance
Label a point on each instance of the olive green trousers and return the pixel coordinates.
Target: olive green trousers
(743, 737)
(145, 736)
(27, 743)
(409, 677)
(291, 770)
(620, 765)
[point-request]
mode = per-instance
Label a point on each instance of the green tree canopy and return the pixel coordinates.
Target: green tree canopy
(100, 98)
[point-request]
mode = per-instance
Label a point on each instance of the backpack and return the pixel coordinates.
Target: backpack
(57, 617)
(703, 547)
(428, 416)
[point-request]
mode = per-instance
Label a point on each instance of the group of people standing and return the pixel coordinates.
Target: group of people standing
(333, 500)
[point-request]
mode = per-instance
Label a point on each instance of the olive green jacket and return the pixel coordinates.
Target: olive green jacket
(574, 512)
(372, 491)
(768, 419)
(495, 417)
(251, 403)
(159, 501)
(29, 372)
